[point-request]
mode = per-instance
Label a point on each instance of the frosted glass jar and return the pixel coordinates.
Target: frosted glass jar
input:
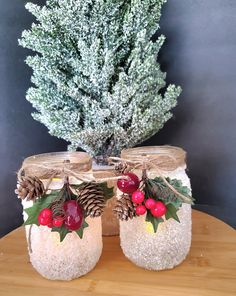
(110, 223)
(73, 257)
(170, 245)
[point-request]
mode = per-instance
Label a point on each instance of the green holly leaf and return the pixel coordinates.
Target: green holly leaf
(157, 189)
(155, 221)
(107, 191)
(171, 212)
(38, 206)
(80, 232)
(62, 232)
(176, 203)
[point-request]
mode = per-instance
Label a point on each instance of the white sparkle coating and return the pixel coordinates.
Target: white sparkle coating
(69, 259)
(65, 260)
(167, 247)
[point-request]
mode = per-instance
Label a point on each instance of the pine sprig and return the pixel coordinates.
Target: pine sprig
(158, 190)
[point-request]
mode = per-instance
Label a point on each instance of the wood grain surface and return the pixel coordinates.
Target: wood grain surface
(209, 270)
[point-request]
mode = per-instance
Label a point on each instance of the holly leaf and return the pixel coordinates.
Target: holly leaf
(171, 212)
(62, 232)
(38, 206)
(157, 189)
(107, 191)
(176, 203)
(80, 232)
(155, 221)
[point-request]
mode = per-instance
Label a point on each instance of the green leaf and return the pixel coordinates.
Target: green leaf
(107, 191)
(62, 232)
(171, 213)
(157, 189)
(40, 204)
(155, 221)
(80, 232)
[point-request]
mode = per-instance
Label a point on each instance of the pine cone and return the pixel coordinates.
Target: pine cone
(91, 198)
(121, 168)
(29, 188)
(124, 209)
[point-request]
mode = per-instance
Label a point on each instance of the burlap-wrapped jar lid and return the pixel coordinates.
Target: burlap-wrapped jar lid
(45, 165)
(165, 157)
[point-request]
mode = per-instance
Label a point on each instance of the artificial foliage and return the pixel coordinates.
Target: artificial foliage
(159, 199)
(97, 83)
(55, 201)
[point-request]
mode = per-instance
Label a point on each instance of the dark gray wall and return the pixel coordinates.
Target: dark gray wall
(199, 55)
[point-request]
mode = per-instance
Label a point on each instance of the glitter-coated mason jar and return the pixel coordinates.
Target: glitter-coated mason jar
(73, 257)
(170, 245)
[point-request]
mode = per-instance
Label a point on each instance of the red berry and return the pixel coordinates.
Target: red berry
(46, 213)
(141, 210)
(43, 221)
(130, 184)
(74, 215)
(50, 225)
(159, 210)
(57, 221)
(150, 203)
(138, 197)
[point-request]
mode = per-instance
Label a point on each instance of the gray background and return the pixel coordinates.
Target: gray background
(199, 54)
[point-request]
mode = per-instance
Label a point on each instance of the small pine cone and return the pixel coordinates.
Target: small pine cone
(29, 188)
(124, 209)
(91, 198)
(121, 168)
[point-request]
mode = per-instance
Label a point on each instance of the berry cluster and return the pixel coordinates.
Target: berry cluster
(72, 218)
(130, 186)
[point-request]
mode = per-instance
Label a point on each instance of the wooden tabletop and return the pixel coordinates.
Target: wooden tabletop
(209, 270)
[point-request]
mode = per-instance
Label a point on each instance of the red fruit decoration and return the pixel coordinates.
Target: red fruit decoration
(140, 210)
(73, 215)
(159, 210)
(130, 184)
(45, 217)
(150, 203)
(137, 197)
(57, 221)
(50, 225)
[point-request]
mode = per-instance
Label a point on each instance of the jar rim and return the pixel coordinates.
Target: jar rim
(176, 153)
(46, 164)
(58, 157)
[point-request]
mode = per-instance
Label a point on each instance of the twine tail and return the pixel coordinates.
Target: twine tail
(29, 239)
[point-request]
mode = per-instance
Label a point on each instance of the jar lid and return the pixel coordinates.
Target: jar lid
(167, 154)
(45, 165)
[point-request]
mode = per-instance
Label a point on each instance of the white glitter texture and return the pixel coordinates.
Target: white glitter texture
(65, 260)
(167, 247)
(69, 259)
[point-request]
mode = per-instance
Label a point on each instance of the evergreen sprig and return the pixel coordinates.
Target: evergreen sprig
(158, 190)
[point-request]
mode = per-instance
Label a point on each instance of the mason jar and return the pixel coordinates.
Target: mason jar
(170, 245)
(73, 257)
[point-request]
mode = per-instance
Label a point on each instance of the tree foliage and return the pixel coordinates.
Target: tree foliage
(96, 78)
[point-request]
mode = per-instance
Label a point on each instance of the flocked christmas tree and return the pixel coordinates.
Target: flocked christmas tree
(96, 76)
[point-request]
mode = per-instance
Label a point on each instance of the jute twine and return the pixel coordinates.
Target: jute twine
(78, 165)
(161, 158)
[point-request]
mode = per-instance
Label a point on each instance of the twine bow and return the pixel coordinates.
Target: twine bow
(161, 163)
(64, 171)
